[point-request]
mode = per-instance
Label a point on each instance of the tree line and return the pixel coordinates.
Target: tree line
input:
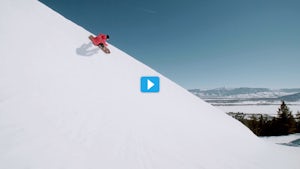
(263, 125)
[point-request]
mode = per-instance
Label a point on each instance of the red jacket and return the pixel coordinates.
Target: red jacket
(101, 38)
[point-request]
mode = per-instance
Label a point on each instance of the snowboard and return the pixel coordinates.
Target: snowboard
(104, 49)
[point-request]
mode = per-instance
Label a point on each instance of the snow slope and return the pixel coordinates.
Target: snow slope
(66, 105)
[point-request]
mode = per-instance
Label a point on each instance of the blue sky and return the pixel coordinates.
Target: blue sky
(201, 44)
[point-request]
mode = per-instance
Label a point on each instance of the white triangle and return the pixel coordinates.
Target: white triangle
(149, 84)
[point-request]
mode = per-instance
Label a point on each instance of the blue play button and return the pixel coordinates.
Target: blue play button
(149, 84)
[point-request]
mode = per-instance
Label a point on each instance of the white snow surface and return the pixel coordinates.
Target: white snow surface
(64, 104)
(282, 139)
(263, 109)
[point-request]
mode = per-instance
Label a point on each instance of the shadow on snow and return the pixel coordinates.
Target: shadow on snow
(87, 49)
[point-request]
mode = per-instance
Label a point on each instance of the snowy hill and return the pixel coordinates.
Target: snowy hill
(65, 104)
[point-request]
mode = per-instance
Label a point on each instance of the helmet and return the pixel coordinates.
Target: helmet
(107, 36)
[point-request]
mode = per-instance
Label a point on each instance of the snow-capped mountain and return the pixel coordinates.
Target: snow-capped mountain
(64, 104)
(243, 92)
(291, 97)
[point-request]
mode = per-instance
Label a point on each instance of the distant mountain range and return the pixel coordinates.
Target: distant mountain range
(244, 94)
(291, 98)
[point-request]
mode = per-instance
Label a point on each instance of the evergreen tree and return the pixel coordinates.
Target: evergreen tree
(286, 123)
(297, 118)
(253, 124)
(260, 125)
(270, 127)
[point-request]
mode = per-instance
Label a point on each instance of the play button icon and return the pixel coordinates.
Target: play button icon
(149, 84)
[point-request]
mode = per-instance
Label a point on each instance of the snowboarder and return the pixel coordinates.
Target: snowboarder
(100, 41)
